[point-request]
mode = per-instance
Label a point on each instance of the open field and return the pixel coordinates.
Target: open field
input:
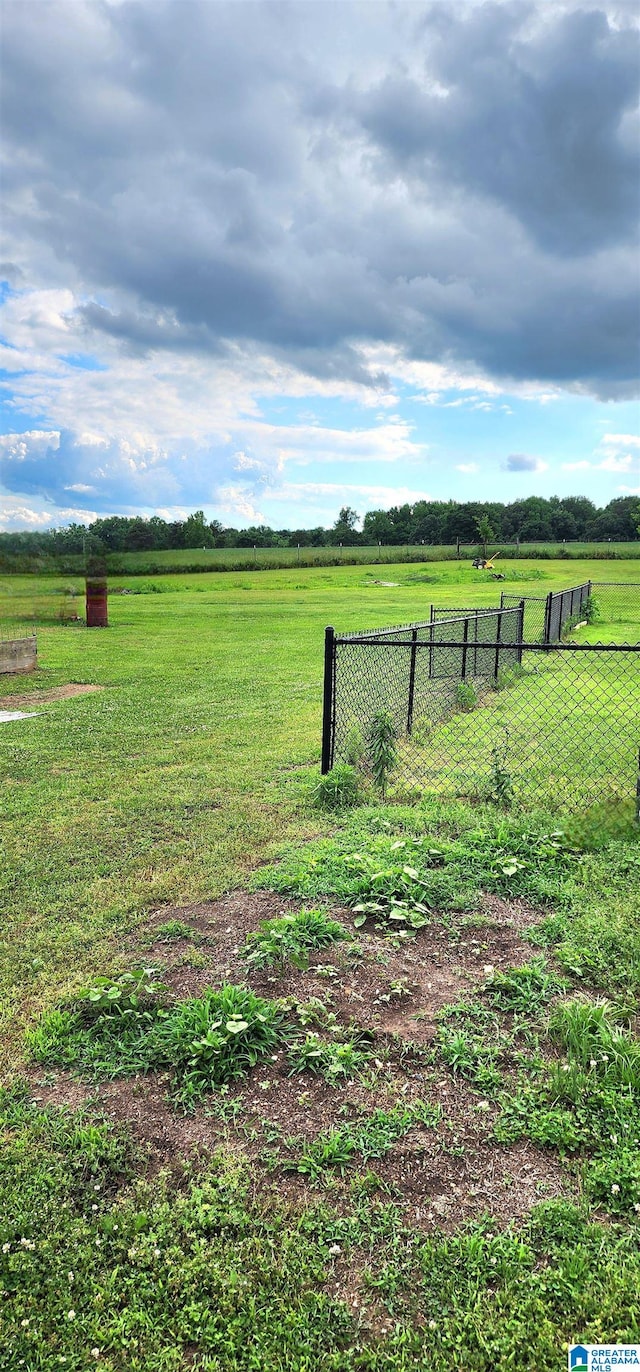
(397, 1183)
(176, 560)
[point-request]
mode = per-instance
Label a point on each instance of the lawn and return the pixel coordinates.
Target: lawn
(136, 809)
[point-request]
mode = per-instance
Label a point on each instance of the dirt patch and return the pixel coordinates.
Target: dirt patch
(439, 1175)
(396, 990)
(55, 693)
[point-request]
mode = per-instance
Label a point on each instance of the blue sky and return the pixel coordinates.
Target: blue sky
(267, 265)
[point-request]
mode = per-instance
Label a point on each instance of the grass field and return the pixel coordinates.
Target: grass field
(277, 1229)
(187, 560)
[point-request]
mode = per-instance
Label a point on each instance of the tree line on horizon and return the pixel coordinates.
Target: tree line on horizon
(432, 522)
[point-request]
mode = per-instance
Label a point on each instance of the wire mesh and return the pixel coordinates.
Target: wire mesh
(559, 724)
(481, 710)
(534, 607)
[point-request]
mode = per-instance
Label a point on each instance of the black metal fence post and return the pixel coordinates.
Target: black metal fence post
(498, 640)
(412, 679)
(547, 618)
(328, 698)
(465, 640)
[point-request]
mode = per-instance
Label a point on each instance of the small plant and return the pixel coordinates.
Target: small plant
(175, 929)
(326, 1059)
(502, 787)
(217, 1038)
(338, 789)
(355, 746)
(591, 610)
(291, 938)
(371, 1138)
(206, 1041)
(383, 755)
(127, 994)
(466, 698)
(524, 990)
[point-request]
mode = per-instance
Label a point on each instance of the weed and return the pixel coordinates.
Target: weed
(175, 929)
(129, 993)
(383, 755)
(206, 1041)
(372, 1138)
(502, 787)
(355, 747)
(332, 1060)
(524, 990)
(291, 938)
(466, 698)
(338, 789)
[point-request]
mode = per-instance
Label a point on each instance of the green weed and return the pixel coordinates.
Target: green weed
(205, 1042)
(291, 938)
(339, 789)
(373, 1137)
(335, 1061)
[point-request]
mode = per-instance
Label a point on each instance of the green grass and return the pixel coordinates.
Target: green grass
(205, 1042)
(291, 938)
(170, 783)
(193, 765)
(195, 1271)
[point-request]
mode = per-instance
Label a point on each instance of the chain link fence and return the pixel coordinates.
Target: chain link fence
(482, 710)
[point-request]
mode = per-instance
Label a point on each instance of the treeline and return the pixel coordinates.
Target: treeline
(534, 520)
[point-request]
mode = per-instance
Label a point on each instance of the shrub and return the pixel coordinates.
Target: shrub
(466, 698)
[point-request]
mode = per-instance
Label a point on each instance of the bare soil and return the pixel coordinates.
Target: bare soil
(440, 1176)
(55, 693)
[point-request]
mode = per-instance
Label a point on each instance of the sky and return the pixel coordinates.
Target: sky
(271, 259)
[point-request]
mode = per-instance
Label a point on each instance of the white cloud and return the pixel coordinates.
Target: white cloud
(467, 467)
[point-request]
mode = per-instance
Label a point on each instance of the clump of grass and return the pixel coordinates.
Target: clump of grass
(373, 1137)
(326, 1058)
(216, 1038)
(291, 938)
(205, 1042)
(339, 789)
(524, 990)
(594, 1038)
(176, 929)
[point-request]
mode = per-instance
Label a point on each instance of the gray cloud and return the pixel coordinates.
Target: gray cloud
(454, 181)
(519, 462)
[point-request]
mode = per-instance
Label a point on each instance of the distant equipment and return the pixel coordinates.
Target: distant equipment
(485, 564)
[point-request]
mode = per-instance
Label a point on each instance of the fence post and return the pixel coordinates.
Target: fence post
(498, 641)
(521, 631)
(412, 679)
(465, 640)
(638, 792)
(327, 699)
(547, 618)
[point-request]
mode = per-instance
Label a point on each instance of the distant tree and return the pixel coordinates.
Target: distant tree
(486, 532)
(196, 531)
(377, 527)
(344, 529)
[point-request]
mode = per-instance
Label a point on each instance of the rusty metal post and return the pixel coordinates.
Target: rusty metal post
(96, 590)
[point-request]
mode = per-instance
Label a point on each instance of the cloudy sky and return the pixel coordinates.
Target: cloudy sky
(268, 259)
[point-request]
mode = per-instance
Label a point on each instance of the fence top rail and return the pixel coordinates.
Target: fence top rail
(513, 595)
(496, 645)
(633, 585)
(361, 636)
(570, 589)
(463, 612)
